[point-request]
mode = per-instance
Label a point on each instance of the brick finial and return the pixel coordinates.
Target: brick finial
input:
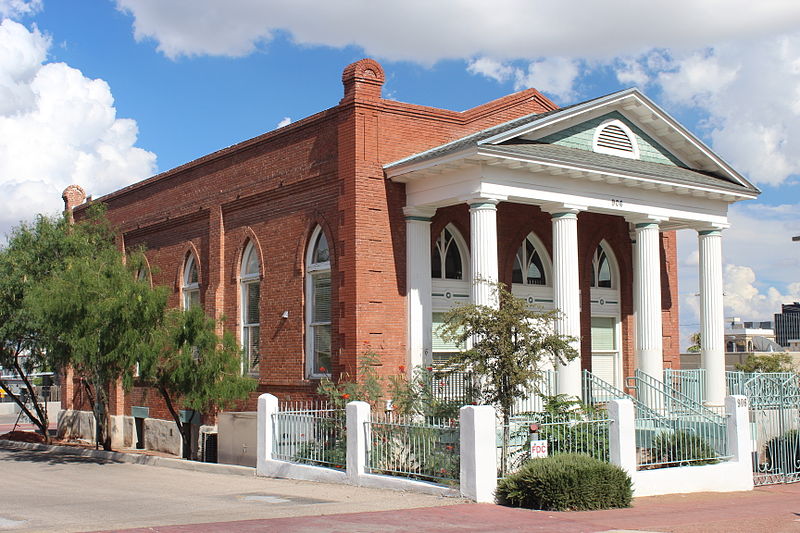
(73, 196)
(363, 80)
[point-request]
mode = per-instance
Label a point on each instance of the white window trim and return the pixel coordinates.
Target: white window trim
(189, 288)
(461, 244)
(613, 264)
(547, 264)
(244, 281)
(611, 151)
(312, 370)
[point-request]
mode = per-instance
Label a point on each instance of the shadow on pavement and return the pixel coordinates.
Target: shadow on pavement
(36, 456)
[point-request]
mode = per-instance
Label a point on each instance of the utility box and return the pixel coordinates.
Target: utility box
(237, 442)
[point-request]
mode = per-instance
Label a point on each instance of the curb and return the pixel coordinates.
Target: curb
(133, 458)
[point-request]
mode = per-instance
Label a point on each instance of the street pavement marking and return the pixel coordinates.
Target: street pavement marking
(7, 523)
(265, 499)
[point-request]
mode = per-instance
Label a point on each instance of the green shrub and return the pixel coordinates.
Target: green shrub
(567, 482)
(682, 447)
(783, 452)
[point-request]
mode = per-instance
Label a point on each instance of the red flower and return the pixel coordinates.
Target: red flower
(449, 448)
(429, 369)
(322, 369)
(442, 470)
(402, 368)
(346, 396)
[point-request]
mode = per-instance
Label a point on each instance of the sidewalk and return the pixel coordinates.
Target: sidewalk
(774, 509)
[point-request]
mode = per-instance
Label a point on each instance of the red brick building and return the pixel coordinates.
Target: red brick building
(354, 228)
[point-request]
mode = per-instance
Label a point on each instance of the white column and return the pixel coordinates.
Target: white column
(622, 435)
(418, 285)
(647, 298)
(712, 318)
(483, 252)
(566, 295)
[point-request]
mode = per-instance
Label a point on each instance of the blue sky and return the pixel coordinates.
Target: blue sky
(108, 92)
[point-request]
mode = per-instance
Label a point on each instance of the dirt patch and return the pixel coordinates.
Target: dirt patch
(23, 436)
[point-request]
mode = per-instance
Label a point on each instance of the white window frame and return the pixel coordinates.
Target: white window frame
(188, 288)
(246, 281)
(611, 151)
(544, 257)
(312, 270)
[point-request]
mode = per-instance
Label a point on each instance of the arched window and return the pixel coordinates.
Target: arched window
(250, 280)
(528, 265)
(191, 282)
(318, 306)
(446, 259)
(602, 276)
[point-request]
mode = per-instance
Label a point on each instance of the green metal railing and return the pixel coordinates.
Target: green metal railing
(419, 449)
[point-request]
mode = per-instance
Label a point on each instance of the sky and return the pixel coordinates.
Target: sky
(108, 92)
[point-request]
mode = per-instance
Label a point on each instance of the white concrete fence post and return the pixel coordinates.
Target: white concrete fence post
(478, 436)
(740, 444)
(267, 406)
(358, 414)
(622, 435)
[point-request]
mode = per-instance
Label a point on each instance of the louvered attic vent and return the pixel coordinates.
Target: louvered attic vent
(616, 139)
(613, 137)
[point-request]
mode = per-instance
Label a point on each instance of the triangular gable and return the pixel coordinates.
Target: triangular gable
(581, 136)
(662, 137)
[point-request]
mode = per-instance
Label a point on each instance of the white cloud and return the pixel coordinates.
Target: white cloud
(19, 8)
(285, 121)
(490, 68)
(504, 29)
(750, 92)
(57, 127)
(554, 75)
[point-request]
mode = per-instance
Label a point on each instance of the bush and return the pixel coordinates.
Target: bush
(567, 482)
(682, 447)
(783, 452)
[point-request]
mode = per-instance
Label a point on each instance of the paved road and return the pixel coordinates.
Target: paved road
(50, 492)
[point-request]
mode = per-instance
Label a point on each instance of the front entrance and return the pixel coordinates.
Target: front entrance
(606, 360)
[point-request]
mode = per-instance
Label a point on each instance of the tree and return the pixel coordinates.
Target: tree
(773, 362)
(34, 252)
(96, 316)
(509, 345)
(192, 365)
(694, 338)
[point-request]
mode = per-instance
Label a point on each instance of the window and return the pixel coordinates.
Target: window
(318, 306)
(446, 261)
(528, 266)
(601, 269)
(191, 284)
(250, 280)
(614, 137)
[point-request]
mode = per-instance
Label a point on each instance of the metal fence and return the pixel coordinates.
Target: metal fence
(679, 441)
(691, 383)
(309, 435)
(584, 433)
(426, 449)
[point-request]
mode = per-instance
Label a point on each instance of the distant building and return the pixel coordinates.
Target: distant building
(787, 324)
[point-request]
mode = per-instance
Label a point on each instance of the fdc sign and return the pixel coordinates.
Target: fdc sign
(538, 449)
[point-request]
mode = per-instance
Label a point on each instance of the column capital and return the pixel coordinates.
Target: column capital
(483, 202)
(711, 229)
(643, 221)
(421, 213)
(561, 208)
